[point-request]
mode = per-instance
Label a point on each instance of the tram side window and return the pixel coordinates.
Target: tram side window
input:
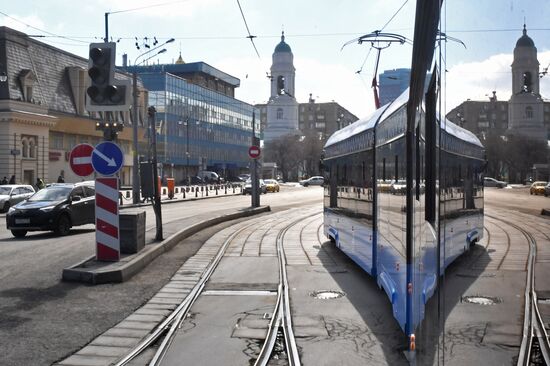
(396, 178)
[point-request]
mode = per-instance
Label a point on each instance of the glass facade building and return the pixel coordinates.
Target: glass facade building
(198, 128)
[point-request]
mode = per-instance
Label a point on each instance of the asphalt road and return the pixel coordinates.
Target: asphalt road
(43, 319)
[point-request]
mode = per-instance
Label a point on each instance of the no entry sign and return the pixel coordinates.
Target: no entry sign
(81, 160)
(254, 152)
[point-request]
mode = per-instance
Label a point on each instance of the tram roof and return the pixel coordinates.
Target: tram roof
(387, 110)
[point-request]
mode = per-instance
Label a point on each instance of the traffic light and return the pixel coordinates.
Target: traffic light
(105, 93)
(110, 129)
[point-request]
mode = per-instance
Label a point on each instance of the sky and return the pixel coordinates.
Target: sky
(213, 31)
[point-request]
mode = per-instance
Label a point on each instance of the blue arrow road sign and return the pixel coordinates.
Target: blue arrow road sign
(107, 158)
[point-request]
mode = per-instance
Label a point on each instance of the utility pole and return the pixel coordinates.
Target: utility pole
(151, 111)
(255, 194)
(135, 170)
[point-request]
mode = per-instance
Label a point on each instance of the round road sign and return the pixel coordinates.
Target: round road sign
(107, 158)
(81, 160)
(254, 152)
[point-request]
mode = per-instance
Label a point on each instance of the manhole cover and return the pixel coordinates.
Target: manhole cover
(481, 300)
(327, 294)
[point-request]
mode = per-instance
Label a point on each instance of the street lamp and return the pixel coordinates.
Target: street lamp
(135, 172)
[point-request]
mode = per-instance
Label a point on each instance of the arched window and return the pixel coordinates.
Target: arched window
(25, 148)
(279, 113)
(529, 112)
(527, 83)
(32, 149)
(280, 84)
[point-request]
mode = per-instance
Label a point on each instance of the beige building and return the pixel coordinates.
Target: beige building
(525, 113)
(42, 114)
(322, 119)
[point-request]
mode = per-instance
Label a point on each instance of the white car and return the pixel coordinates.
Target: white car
(313, 181)
(10, 194)
(492, 182)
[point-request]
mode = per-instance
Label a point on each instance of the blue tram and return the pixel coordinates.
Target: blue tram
(366, 199)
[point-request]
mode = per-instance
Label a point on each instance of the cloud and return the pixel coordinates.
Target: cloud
(165, 9)
(477, 80)
(326, 82)
(22, 23)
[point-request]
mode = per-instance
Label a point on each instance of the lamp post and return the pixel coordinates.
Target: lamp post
(135, 171)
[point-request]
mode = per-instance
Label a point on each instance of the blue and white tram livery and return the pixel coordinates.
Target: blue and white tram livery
(365, 205)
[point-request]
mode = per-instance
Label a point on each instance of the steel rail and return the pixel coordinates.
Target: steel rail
(172, 322)
(533, 325)
(282, 315)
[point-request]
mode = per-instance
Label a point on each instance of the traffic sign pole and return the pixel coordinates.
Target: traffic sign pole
(107, 221)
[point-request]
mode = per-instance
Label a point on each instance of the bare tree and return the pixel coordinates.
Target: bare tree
(286, 152)
(513, 156)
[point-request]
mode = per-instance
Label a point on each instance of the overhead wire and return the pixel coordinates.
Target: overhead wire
(148, 6)
(250, 36)
(38, 29)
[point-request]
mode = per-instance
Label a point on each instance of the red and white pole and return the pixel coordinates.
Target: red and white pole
(107, 219)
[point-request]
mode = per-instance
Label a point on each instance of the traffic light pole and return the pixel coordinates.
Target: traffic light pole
(156, 189)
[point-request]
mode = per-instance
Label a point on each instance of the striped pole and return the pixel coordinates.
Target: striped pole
(107, 219)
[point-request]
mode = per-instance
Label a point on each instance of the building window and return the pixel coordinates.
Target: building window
(56, 140)
(529, 112)
(25, 148)
(32, 149)
(320, 125)
(279, 113)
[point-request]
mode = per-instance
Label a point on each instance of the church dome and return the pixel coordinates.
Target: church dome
(525, 40)
(283, 46)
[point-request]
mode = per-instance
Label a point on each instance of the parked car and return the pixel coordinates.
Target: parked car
(313, 181)
(194, 180)
(399, 187)
(547, 190)
(272, 185)
(10, 194)
(492, 182)
(209, 177)
(248, 187)
(537, 187)
(244, 177)
(57, 207)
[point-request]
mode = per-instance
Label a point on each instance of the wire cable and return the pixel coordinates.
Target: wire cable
(41, 30)
(148, 7)
(250, 36)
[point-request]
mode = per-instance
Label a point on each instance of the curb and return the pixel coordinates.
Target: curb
(79, 273)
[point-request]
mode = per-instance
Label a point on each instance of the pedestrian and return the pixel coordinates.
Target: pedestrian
(4, 181)
(12, 179)
(39, 184)
(60, 179)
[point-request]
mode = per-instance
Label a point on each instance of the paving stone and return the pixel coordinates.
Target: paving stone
(103, 351)
(136, 325)
(78, 360)
(145, 318)
(125, 332)
(111, 341)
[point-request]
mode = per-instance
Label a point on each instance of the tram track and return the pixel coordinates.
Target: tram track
(535, 345)
(281, 321)
(173, 321)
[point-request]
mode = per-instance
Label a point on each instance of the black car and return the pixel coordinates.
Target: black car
(57, 207)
